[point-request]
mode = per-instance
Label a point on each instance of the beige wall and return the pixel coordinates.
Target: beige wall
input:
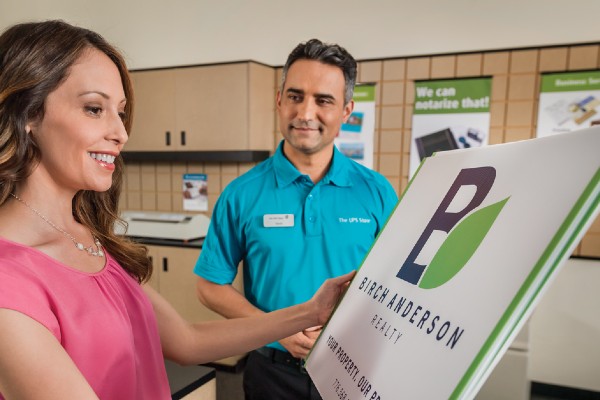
(565, 327)
(515, 90)
(158, 186)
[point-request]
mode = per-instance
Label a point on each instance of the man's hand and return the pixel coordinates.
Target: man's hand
(299, 345)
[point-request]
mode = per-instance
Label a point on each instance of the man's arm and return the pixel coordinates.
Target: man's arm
(224, 299)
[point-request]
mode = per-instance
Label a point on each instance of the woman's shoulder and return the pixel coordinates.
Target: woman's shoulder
(20, 262)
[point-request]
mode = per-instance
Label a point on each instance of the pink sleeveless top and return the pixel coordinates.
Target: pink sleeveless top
(104, 320)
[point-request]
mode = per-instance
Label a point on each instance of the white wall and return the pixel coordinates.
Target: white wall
(155, 33)
(565, 329)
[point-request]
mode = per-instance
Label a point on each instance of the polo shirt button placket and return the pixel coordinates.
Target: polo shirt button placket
(311, 210)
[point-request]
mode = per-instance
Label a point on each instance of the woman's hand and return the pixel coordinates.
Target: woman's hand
(329, 295)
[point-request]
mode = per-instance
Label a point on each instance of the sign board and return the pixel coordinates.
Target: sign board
(472, 244)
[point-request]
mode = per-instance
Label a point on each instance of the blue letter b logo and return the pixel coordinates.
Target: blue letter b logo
(460, 245)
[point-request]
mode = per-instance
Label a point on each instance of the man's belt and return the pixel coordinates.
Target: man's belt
(282, 357)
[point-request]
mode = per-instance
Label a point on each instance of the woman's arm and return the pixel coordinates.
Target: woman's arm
(203, 342)
(33, 364)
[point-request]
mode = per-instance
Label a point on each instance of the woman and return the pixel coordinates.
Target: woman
(77, 320)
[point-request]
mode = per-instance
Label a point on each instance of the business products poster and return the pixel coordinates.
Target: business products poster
(568, 101)
(195, 192)
(458, 268)
(449, 115)
(357, 134)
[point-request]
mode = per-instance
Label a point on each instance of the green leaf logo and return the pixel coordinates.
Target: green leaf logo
(460, 245)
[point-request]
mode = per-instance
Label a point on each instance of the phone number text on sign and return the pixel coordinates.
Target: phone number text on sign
(363, 384)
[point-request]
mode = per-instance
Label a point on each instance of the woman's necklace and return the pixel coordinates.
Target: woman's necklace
(89, 250)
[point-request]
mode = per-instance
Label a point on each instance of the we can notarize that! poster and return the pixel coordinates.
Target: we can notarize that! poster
(458, 268)
(568, 101)
(449, 114)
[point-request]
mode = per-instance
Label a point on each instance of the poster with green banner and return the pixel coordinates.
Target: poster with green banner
(458, 269)
(357, 133)
(568, 101)
(449, 114)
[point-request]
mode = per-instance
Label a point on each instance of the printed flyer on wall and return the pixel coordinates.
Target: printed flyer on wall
(357, 134)
(448, 115)
(458, 268)
(568, 101)
(195, 192)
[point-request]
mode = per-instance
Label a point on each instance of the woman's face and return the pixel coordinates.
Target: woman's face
(82, 130)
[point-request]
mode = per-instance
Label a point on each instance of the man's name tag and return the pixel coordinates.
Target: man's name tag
(278, 220)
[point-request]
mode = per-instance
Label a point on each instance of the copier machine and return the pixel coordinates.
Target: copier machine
(162, 225)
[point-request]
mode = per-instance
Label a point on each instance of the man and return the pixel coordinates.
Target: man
(306, 214)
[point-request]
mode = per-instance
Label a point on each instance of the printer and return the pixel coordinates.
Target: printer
(162, 225)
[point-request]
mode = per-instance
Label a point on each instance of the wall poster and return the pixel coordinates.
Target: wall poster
(449, 114)
(568, 101)
(458, 269)
(195, 192)
(357, 134)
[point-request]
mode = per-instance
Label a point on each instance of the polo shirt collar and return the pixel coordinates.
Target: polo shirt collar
(286, 173)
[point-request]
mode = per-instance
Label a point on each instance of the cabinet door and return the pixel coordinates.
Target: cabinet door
(177, 282)
(154, 111)
(153, 252)
(174, 279)
(212, 107)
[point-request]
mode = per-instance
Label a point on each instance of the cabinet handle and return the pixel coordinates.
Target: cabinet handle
(165, 264)
(183, 138)
(168, 138)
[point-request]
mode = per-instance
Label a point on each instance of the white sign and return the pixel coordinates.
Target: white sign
(458, 268)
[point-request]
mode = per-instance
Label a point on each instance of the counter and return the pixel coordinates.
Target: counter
(193, 382)
(191, 244)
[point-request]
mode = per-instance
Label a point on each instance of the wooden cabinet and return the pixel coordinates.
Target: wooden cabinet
(154, 111)
(174, 279)
(214, 107)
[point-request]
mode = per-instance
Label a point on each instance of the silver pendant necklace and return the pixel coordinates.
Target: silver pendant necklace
(98, 252)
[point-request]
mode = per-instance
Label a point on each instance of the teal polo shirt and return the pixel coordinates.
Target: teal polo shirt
(293, 234)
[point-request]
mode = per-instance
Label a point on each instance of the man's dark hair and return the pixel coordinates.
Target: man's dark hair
(326, 53)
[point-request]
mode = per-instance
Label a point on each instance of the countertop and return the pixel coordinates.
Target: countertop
(184, 380)
(192, 244)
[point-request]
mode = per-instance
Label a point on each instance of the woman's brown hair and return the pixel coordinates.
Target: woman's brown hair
(35, 58)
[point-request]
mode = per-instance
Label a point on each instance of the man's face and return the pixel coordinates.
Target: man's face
(311, 106)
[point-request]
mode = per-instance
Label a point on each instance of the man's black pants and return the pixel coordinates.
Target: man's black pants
(272, 374)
